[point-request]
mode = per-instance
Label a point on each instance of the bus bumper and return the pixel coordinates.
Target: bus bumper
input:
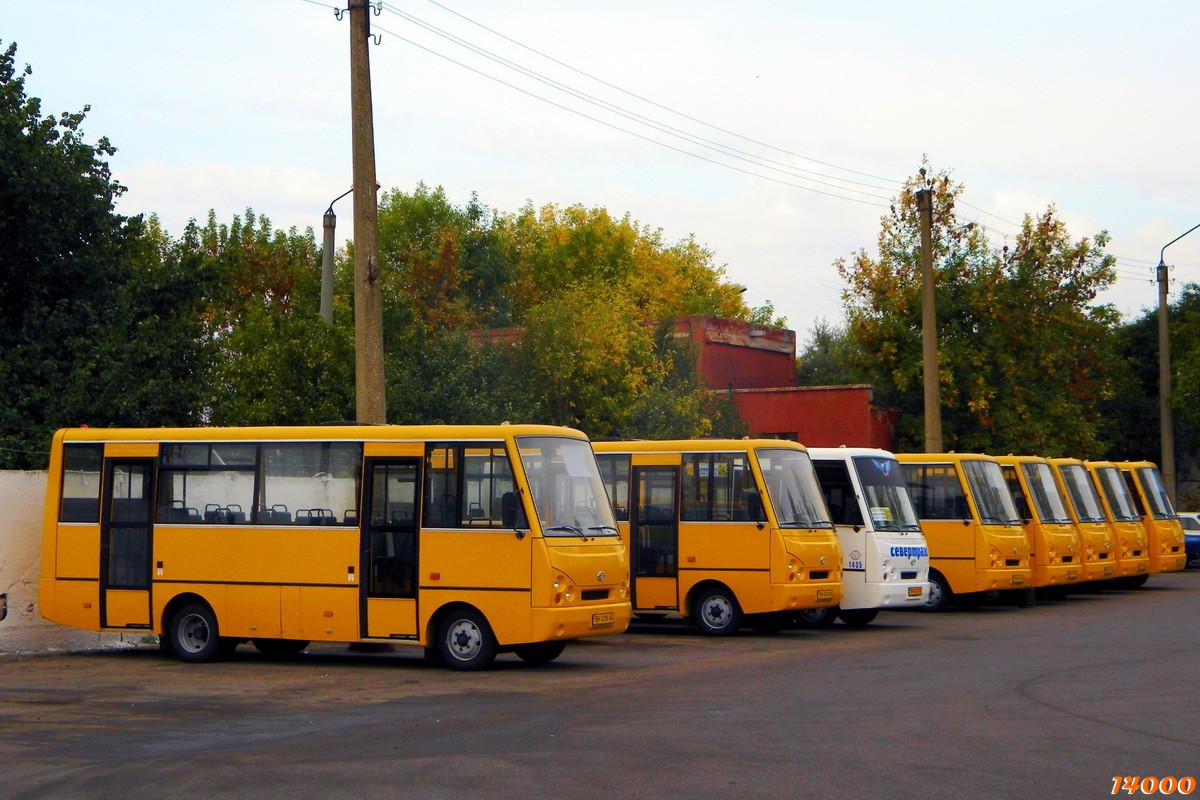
(885, 595)
(809, 595)
(1099, 570)
(999, 580)
(1132, 567)
(578, 622)
(1167, 562)
(1057, 574)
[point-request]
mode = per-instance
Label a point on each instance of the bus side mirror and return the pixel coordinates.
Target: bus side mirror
(754, 506)
(509, 506)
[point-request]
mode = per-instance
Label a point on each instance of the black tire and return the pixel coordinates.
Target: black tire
(770, 623)
(940, 593)
(194, 636)
(715, 612)
(1192, 563)
(280, 648)
(858, 617)
(465, 640)
(539, 652)
(816, 617)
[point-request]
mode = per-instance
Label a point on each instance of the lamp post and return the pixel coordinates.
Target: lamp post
(329, 222)
(1166, 422)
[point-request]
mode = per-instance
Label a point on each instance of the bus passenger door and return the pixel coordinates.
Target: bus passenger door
(391, 497)
(126, 525)
(654, 538)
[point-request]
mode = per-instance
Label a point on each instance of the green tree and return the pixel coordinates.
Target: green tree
(1025, 358)
(275, 361)
(94, 328)
(829, 358)
(581, 287)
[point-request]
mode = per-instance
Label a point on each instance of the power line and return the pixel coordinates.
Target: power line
(625, 130)
(691, 138)
(656, 104)
(1131, 266)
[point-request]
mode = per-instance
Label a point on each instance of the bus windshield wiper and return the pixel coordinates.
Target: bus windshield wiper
(806, 523)
(569, 529)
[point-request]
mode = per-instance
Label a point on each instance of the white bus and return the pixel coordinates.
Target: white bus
(885, 562)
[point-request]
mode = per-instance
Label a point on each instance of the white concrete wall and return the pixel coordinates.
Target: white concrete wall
(22, 498)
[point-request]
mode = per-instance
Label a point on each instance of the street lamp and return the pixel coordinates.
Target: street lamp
(330, 224)
(1166, 423)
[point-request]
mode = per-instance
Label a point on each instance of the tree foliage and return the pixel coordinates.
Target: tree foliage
(579, 290)
(93, 328)
(829, 358)
(1026, 359)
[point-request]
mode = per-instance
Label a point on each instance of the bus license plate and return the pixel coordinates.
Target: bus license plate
(603, 620)
(824, 594)
(1018, 579)
(914, 591)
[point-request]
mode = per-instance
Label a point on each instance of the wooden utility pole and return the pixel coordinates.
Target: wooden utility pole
(371, 405)
(929, 348)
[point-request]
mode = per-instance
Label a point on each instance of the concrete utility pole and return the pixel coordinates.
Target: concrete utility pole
(329, 222)
(371, 405)
(1165, 416)
(929, 348)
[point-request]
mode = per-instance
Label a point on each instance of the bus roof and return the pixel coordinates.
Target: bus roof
(310, 433)
(692, 445)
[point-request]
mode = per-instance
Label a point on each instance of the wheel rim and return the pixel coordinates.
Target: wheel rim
(717, 612)
(814, 614)
(464, 640)
(935, 595)
(194, 633)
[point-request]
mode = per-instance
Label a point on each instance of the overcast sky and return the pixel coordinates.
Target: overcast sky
(779, 130)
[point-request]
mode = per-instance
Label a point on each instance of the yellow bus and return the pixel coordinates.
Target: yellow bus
(466, 540)
(1055, 546)
(1133, 553)
(1164, 533)
(976, 542)
(723, 531)
(1096, 535)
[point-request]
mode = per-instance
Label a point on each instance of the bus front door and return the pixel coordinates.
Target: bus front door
(654, 538)
(389, 548)
(126, 527)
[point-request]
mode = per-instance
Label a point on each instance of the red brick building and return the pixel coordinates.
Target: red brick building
(758, 366)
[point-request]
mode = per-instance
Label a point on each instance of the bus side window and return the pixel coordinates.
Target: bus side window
(81, 483)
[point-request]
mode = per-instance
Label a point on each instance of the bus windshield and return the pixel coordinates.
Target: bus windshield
(1082, 492)
(1156, 493)
(886, 494)
(565, 483)
(1118, 494)
(991, 493)
(1044, 492)
(792, 488)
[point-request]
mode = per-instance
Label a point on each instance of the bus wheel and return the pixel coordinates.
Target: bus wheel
(816, 617)
(194, 636)
(858, 617)
(716, 612)
(539, 652)
(939, 592)
(280, 648)
(466, 641)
